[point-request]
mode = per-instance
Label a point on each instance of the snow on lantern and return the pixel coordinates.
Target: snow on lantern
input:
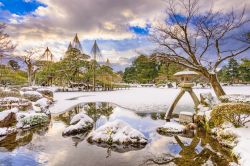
(185, 79)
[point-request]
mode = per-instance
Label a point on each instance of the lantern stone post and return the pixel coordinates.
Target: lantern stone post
(186, 83)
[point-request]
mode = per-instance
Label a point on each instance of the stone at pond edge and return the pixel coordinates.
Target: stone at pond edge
(32, 95)
(8, 117)
(45, 92)
(79, 123)
(117, 132)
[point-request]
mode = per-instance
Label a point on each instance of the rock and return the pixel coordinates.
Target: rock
(10, 102)
(186, 117)
(191, 126)
(30, 119)
(32, 95)
(79, 123)
(25, 89)
(208, 100)
(45, 92)
(8, 117)
(117, 132)
(43, 103)
(172, 128)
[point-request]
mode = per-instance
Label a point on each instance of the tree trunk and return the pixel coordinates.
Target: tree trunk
(216, 85)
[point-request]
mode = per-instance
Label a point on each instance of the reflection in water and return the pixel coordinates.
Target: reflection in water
(46, 146)
(21, 138)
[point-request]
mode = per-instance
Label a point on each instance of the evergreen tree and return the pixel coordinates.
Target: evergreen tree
(244, 70)
(232, 71)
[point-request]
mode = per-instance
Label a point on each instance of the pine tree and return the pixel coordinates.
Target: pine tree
(233, 71)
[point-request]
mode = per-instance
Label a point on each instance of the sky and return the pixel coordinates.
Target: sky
(121, 27)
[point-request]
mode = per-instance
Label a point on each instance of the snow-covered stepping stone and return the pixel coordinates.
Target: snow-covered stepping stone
(171, 127)
(78, 124)
(117, 132)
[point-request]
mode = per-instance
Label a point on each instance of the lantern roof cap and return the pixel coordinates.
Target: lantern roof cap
(185, 73)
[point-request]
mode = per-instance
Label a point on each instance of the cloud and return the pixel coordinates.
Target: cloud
(118, 25)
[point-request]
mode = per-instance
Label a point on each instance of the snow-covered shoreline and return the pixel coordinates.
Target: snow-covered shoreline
(136, 99)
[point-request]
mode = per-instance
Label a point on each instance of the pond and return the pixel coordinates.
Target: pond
(47, 146)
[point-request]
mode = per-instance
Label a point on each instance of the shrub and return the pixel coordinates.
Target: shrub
(236, 113)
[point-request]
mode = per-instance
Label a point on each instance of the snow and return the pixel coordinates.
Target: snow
(172, 127)
(5, 113)
(79, 123)
(186, 72)
(80, 116)
(33, 93)
(117, 131)
(186, 113)
(236, 98)
(242, 149)
(137, 99)
(43, 103)
(10, 99)
(4, 131)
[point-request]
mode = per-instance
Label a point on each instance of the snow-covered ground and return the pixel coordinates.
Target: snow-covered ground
(137, 99)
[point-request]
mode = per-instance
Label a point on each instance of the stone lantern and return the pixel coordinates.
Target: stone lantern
(185, 79)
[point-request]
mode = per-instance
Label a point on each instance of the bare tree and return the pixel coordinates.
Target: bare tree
(29, 59)
(6, 45)
(199, 40)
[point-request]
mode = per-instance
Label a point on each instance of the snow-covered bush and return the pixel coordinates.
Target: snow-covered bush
(32, 95)
(78, 124)
(117, 132)
(235, 98)
(236, 113)
(30, 119)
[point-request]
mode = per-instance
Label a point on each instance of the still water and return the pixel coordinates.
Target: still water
(47, 146)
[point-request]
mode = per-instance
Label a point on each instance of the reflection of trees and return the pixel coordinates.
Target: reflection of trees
(96, 110)
(189, 155)
(153, 116)
(21, 138)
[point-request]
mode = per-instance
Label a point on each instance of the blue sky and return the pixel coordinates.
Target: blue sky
(20, 7)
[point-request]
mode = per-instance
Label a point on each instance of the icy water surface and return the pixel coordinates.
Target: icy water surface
(47, 146)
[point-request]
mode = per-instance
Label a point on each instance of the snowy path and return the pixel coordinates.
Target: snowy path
(137, 99)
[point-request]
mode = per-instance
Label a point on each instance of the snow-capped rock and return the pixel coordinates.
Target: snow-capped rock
(32, 95)
(43, 103)
(171, 127)
(46, 92)
(8, 117)
(118, 132)
(78, 124)
(78, 117)
(24, 89)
